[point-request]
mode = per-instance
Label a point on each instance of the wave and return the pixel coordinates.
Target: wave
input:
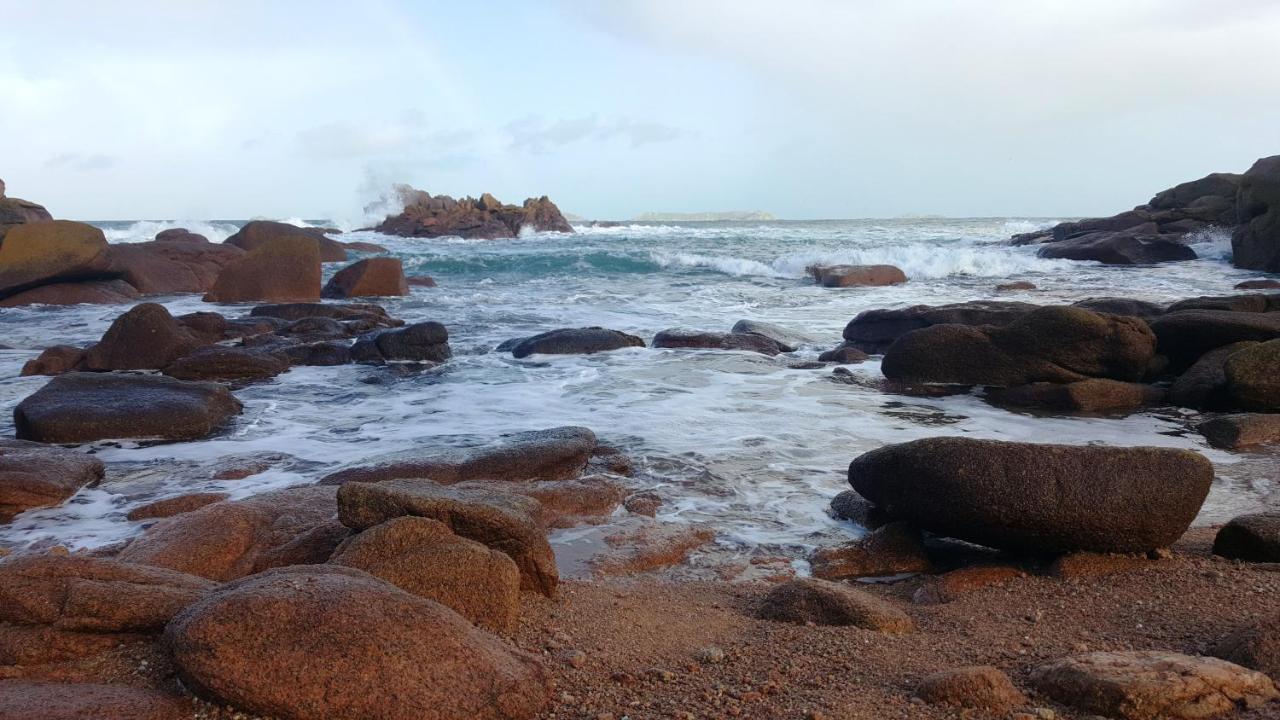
(145, 230)
(916, 260)
(1211, 243)
(727, 265)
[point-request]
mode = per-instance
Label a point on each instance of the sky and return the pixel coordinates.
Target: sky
(195, 109)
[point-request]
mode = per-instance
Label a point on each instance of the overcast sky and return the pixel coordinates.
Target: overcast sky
(804, 108)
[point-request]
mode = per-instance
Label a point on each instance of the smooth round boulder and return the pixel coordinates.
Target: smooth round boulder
(982, 688)
(371, 277)
(38, 253)
(1253, 538)
(822, 602)
(283, 269)
(1251, 376)
(87, 407)
(55, 360)
(575, 341)
(301, 643)
(1027, 497)
(838, 276)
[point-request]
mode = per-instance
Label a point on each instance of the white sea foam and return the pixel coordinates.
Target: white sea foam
(145, 230)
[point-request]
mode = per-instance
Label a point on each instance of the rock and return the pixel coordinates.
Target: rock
(231, 539)
(893, 549)
(35, 476)
(31, 700)
(822, 602)
(844, 354)
(1204, 385)
(1096, 395)
(849, 505)
(1027, 497)
(1255, 646)
(1255, 244)
(379, 276)
(320, 353)
(260, 233)
(1048, 344)
(39, 253)
(953, 585)
(364, 247)
(575, 341)
(1248, 302)
(500, 520)
(1121, 306)
(556, 454)
(146, 337)
(420, 342)
(1086, 565)
(284, 269)
(1251, 376)
(303, 643)
(875, 330)
(1263, 284)
(982, 688)
(86, 407)
(420, 281)
(227, 363)
(1151, 685)
(1186, 336)
(91, 292)
(189, 264)
(787, 340)
(14, 212)
(336, 311)
(644, 503)
(425, 558)
(168, 507)
(55, 361)
(645, 547)
(1119, 248)
(179, 235)
(565, 503)
(682, 338)
(1232, 432)
(1015, 286)
(486, 218)
(833, 276)
(1253, 538)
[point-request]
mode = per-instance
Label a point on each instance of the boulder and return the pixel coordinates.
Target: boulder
(55, 360)
(1204, 385)
(260, 233)
(179, 235)
(1121, 306)
(833, 276)
(1255, 244)
(1187, 335)
(35, 476)
(849, 505)
(1119, 248)
(1232, 432)
(14, 212)
(875, 330)
(1048, 344)
(486, 218)
(146, 337)
(1153, 685)
(981, 688)
(555, 454)
(822, 602)
(501, 520)
(40, 253)
(362, 247)
(284, 269)
(89, 292)
(87, 407)
(1248, 302)
(1096, 395)
(844, 354)
(1253, 538)
(174, 264)
(1015, 286)
(787, 340)
(371, 277)
(168, 507)
(682, 338)
(420, 281)
(420, 342)
(33, 700)
(320, 353)
(1027, 497)
(302, 643)
(893, 549)
(228, 540)
(1252, 381)
(575, 341)
(228, 364)
(425, 558)
(1255, 646)
(565, 503)
(1262, 284)
(337, 311)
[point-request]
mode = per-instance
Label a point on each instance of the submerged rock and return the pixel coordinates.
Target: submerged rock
(420, 342)
(575, 341)
(681, 338)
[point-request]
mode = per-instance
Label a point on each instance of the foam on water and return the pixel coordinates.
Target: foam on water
(145, 230)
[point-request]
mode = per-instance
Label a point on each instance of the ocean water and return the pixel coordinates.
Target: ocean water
(744, 443)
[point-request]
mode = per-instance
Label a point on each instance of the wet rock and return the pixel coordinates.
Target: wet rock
(420, 342)
(284, 269)
(787, 340)
(500, 520)
(982, 688)
(1185, 336)
(1146, 685)
(86, 407)
(260, 233)
(1015, 286)
(640, 548)
(486, 218)
(206, 327)
(1204, 385)
(565, 503)
(682, 338)
(363, 247)
(875, 330)
(312, 642)
(39, 253)
(1255, 646)
(833, 276)
(1251, 376)
(1120, 306)
(319, 353)
(1049, 344)
(1119, 248)
(822, 602)
(146, 337)
(1263, 284)
(293, 312)
(421, 281)
(90, 292)
(1232, 432)
(425, 558)
(172, 265)
(575, 341)
(55, 361)
(1037, 498)
(371, 277)
(1255, 244)
(893, 549)
(1096, 395)
(844, 354)
(231, 539)
(1254, 538)
(32, 700)
(849, 505)
(35, 476)
(1250, 302)
(644, 503)
(168, 507)
(953, 585)
(228, 364)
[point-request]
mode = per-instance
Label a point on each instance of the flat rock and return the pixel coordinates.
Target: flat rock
(787, 340)
(88, 292)
(1119, 248)
(706, 340)
(874, 331)
(835, 276)
(172, 265)
(228, 363)
(823, 602)
(575, 341)
(259, 233)
(1095, 395)
(35, 476)
(168, 507)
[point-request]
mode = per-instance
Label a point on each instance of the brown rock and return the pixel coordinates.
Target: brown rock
(844, 354)
(420, 281)
(34, 476)
(1254, 538)
(1266, 284)
(442, 216)
(227, 363)
(855, 275)
(982, 688)
(14, 211)
(681, 338)
(179, 235)
(875, 330)
(822, 602)
(284, 269)
(1255, 646)
(849, 505)
(146, 337)
(364, 247)
(39, 253)
(55, 361)
(425, 558)
(575, 341)
(89, 292)
(313, 642)
(1187, 335)
(365, 312)
(371, 277)
(565, 503)
(649, 547)
(893, 549)
(172, 264)
(1233, 432)
(419, 342)
(644, 503)
(1251, 376)
(949, 586)
(1095, 395)
(1204, 385)
(26, 700)
(1016, 285)
(1151, 685)
(28, 645)
(168, 507)
(260, 233)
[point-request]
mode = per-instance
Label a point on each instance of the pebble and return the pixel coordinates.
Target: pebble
(574, 658)
(711, 655)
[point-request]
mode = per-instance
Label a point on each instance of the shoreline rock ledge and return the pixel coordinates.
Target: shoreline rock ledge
(485, 218)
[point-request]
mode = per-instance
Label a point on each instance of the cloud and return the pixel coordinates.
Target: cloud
(81, 163)
(535, 134)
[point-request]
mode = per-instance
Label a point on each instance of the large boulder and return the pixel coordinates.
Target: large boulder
(303, 643)
(424, 557)
(1203, 386)
(874, 331)
(1095, 395)
(1119, 248)
(1048, 344)
(822, 602)
(35, 476)
(87, 407)
(486, 218)
(501, 520)
(34, 700)
(706, 340)
(260, 233)
(232, 364)
(420, 342)
(14, 211)
(1186, 335)
(1232, 432)
(835, 276)
(1252, 380)
(575, 341)
(146, 337)
(1026, 497)
(40, 253)
(1253, 538)
(283, 269)
(1153, 685)
(371, 277)
(172, 265)
(55, 360)
(1255, 244)
(88, 292)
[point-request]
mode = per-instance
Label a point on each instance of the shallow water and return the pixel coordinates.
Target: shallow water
(740, 441)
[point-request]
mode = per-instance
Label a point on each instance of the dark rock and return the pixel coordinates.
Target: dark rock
(34, 476)
(206, 327)
(336, 311)
(822, 602)
(1037, 498)
(787, 340)
(89, 292)
(420, 342)
(575, 341)
(834, 276)
(260, 233)
(179, 235)
(486, 218)
(167, 266)
(893, 549)
(39, 253)
(1119, 248)
(1232, 432)
(1255, 538)
(849, 505)
(681, 338)
(34, 700)
(1139, 218)
(1255, 646)
(1095, 395)
(146, 337)
(320, 353)
(228, 364)
(875, 330)
(844, 354)
(1204, 385)
(1255, 244)
(1250, 302)
(1252, 381)
(379, 276)
(55, 361)
(1258, 285)
(284, 269)
(1120, 306)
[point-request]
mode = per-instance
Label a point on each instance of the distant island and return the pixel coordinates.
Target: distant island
(704, 216)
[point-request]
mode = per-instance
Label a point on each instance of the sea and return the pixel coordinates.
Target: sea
(752, 446)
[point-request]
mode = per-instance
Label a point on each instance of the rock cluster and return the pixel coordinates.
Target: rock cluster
(484, 218)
